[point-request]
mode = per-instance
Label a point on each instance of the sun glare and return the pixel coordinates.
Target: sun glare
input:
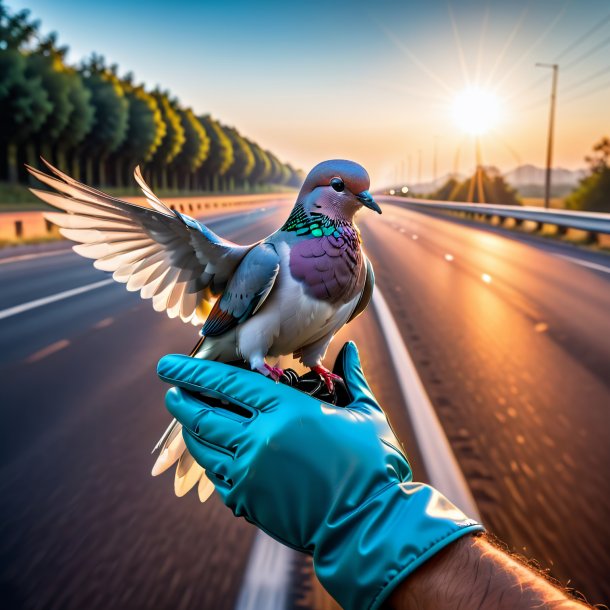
(476, 111)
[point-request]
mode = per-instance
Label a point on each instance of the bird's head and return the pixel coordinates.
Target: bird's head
(337, 189)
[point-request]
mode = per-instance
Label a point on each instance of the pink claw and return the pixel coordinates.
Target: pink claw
(327, 376)
(275, 372)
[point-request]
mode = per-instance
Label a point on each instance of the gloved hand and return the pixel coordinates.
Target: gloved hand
(327, 480)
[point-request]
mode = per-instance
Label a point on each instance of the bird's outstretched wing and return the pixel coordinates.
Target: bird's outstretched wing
(170, 258)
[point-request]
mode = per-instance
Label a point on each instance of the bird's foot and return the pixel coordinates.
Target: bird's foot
(327, 376)
(275, 372)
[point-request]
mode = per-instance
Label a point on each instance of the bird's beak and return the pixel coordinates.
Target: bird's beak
(368, 202)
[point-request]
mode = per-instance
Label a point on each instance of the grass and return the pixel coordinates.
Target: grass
(30, 241)
(17, 197)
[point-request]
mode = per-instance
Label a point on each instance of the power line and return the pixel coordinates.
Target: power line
(584, 37)
(586, 80)
(541, 101)
(580, 96)
(539, 81)
(597, 47)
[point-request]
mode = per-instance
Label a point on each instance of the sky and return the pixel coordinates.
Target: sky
(375, 82)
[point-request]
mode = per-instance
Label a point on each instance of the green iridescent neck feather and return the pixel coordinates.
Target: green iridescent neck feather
(316, 225)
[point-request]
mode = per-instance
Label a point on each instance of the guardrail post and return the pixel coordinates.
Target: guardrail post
(592, 238)
(561, 231)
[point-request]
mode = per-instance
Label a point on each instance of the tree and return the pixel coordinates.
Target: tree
(172, 142)
(111, 116)
(145, 130)
(195, 149)
(495, 189)
(297, 176)
(243, 162)
(286, 175)
(446, 191)
(593, 194)
(220, 157)
(46, 63)
(24, 106)
(261, 172)
(16, 31)
(79, 124)
(72, 115)
(24, 103)
(277, 169)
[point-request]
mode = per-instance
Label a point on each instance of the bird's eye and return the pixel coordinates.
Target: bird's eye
(337, 184)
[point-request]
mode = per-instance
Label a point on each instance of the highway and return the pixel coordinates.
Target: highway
(510, 336)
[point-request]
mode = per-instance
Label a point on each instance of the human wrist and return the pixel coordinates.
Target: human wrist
(474, 572)
(361, 557)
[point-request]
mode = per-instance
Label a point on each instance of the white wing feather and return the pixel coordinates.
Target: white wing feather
(167, 257)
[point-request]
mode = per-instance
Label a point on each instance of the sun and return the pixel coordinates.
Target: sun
(476, 110)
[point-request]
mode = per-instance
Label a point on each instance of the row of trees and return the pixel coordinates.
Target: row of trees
(98, 125)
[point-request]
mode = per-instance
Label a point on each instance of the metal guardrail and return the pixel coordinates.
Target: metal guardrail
(591, 222)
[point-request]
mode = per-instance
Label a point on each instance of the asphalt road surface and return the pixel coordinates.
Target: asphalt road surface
(512, 342)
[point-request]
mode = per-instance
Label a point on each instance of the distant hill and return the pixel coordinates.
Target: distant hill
(528, 180)
(526, 175)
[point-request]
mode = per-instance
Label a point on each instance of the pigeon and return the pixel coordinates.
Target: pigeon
(286, 294)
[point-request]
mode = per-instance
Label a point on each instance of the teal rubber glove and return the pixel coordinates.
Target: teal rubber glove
(327, 480)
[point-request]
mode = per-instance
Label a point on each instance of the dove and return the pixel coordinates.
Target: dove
(286, 294)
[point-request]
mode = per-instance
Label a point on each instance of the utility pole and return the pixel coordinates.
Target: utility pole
(410, 172)
(419, 166)
(549, 145)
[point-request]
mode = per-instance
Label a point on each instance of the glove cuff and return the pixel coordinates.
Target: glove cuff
(363, 556)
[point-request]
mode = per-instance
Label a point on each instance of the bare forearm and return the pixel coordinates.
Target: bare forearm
(473, 573)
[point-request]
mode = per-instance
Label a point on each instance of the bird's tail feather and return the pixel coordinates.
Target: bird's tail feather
(173, 449)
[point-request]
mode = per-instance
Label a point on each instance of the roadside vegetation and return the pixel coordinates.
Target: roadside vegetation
(97, 123)
(593, 194)
(495, 189)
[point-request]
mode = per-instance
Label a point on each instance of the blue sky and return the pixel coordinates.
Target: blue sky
(372, 81)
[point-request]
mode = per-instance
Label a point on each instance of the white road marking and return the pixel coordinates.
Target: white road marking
(582, 263)
(439, 460)
(48, 350)
(103, 323)
(27, 257)
(267, 575)
(60, 296)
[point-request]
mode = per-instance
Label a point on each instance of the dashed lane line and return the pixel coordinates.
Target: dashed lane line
(47, 351)
(32, 255)
(60, 296)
